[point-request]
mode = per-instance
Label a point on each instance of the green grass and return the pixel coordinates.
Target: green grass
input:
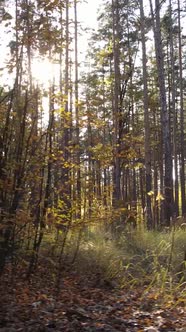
(136, 258)
(140, 258)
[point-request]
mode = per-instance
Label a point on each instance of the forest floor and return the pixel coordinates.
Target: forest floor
(82, 303)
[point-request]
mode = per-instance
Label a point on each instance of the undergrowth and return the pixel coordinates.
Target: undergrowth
(137, 258)
(134, 258)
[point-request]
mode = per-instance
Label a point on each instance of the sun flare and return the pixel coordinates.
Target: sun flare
(42, 70)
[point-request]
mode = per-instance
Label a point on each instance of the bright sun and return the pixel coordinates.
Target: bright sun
(42, 71)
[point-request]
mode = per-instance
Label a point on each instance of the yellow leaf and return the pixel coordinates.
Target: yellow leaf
(150, 193)
(159, 197)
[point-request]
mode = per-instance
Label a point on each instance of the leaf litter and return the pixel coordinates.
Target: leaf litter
(80, 305)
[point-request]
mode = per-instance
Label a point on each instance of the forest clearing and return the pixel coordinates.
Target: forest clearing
(93, 166)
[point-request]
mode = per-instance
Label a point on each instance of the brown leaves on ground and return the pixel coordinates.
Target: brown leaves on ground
(80, 305)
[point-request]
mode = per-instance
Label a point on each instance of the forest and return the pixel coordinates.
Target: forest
(93, 166)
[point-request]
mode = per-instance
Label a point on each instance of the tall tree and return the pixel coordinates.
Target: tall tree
(116, 107)
(77, 139)
(167, 151)
(182, 118)
(148, 173)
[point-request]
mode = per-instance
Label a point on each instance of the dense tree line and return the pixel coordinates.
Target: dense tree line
(113, 146)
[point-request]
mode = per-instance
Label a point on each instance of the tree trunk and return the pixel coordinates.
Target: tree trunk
(148, 174)
(78, 181)
(116, 111)
(168, 195)
(173, 90)
(182, 135)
